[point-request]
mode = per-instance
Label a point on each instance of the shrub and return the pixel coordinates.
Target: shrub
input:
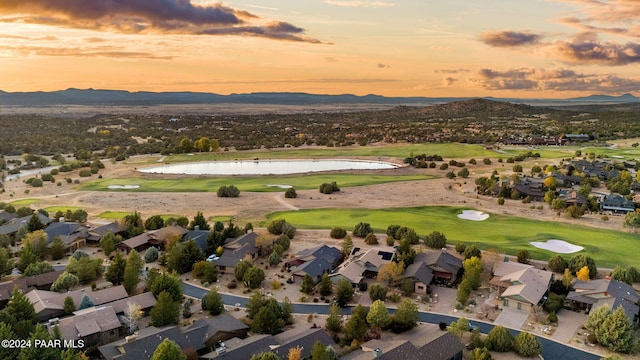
(460, 247)
(436, 240)
(228, 191)
(338, 232)
(84, 173)
(327, 188)
(390, 241)
(444, 166)
(362, 230)
(290, 193)
(35, 182)
(553, 318)
(500, 200)
(371, 239)
(151, 255)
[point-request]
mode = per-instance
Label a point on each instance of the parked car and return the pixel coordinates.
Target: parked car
(213, 257)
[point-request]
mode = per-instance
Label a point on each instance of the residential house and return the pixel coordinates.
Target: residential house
(521, 286)
(241, 248)
(314, 262)
(421, 275)
(445, 267)
(96, 234)
(236, 348)
(5, 216)
(534, 188)
(74, 235)
(199, 237)
(49, 304)
(613, 293)
(361, 265)
(146, 301)
(303, 339)
(156, 238)
(425, 341)
(11, 227)
(25, 284)
(617, 204)
(94, 326)
(572, 197)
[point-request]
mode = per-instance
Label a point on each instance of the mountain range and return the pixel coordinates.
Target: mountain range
(91, 97)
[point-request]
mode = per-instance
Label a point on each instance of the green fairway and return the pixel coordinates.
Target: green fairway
(54, 209)
(114, 215)
(498, 233)
(257, 184)
(24, 202)
(447, 150)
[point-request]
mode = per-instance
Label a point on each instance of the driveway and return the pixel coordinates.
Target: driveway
(568, 323)
(511, 318)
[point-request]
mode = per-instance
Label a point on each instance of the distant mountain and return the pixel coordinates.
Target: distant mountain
(91, 97)
(607, 98)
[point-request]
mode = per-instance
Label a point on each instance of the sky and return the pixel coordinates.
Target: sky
(433, 48)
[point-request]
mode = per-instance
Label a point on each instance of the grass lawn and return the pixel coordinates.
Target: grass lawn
(257, 184)
(54, 209)
(448, 150)
(221, 218)
(24, 202)
(499, 233)
(114, 215)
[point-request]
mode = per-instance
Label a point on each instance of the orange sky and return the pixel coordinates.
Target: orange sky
(502, 48)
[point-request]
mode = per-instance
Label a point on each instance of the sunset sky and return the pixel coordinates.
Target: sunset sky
(502, 48)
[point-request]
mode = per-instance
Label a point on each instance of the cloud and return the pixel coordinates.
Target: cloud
(449, 81)
(617, 17)
(451, 71)
(147, 16)
(368, 4)
(105, 51)
(558, 79)
(597, 52)
(508, 38)
(383, 66)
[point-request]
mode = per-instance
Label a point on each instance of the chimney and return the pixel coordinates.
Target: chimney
(196, 227)
(61, 219)
(377, 353)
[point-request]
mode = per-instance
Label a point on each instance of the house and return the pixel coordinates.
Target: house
(572, 197)
(11, 227)
(359, 266)
(242, 348)
(314, 262)
(425, 341)
(617, 204)
(241, 248)
(613, 293)
(146, 301)
(74, 235)
(156, 238)
(94, 326)
(521, 286)
(49, 304)
(534, 188)
(221, 328)
(96, 234)
(199, 237)
(24, 284)
(446, 267)
(421, 275)
(304, 339)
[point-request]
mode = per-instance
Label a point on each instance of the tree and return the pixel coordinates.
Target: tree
(154, 223)
(85, 269)
(6, 333)
(557, 264)
(166, 311)
(391, 272)
(632, 220)
(85, 302)
(361, 230)
(151, 254)
(459, 327)
(27, 257)
(65, 281)
(132, 270)
(558, 204)
(200, 221)
(37, 242)
(326, 287)
(344, 292)
(499, 339)
(549, 196)
(471, 251)
(406, 316)
(241, 268)
(115, 272)
(58, 249)
(436, 240)
(228, 191)
(356, 327)
(616, 333)
(347, 245)
(290, 193)
(464, 291)
(567, 278)
(108, 243)
(371, 239)
(473, 272)
(69, 306)
(463, 173)
(583, 273)
(320, 351)
(132, 313)
(159, 282)
(274, 258)
(295, 353)
(268, 319)
(377, 292)
(406, 253)
(578, 261)
(253, 278)
(523, 256)
(554, 303)
(168, 350)
(205, 271)
(34, 223)
(212, 301)
(19, 314)
(183, 255)
(526, 344)
(338, 232)
(334, 321)
(38, 352)
(378, 316)
(134, 224)
(264, 356)
(480, 353)
(36, 268)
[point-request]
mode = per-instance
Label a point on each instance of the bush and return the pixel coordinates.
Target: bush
(436, 240)
(444, 166)
(390, 241)
(327, 188)
(228, 191)
(371, 239)
(460, 248)
(362, 230)
(35, 182)
(338, 232)
(85, 173)
(553, 318)
(151, 255)
(290, 193)
(500, 200)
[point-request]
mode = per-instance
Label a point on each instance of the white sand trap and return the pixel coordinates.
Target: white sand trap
(280, 186)
(123, 186)
(473, 215)
(557, 246)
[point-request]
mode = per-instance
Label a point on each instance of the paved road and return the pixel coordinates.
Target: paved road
(550, 349)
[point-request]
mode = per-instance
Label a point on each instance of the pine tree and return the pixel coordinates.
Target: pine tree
(132, 270)
(378, 316)
(85, 302)
(406, 316)
(526, 344)
(499, 339)
(168, 350)
(165, 311)
(69, 306)
(326, 287)
(334, 321)
(307, 284)
(212, 302)
(19, 314)
(6, 332)
(616, 332)
(115, 272)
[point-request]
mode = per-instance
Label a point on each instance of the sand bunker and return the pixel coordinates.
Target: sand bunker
(280, 186)
(473, 215)
(123, 186)
(557, 246)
